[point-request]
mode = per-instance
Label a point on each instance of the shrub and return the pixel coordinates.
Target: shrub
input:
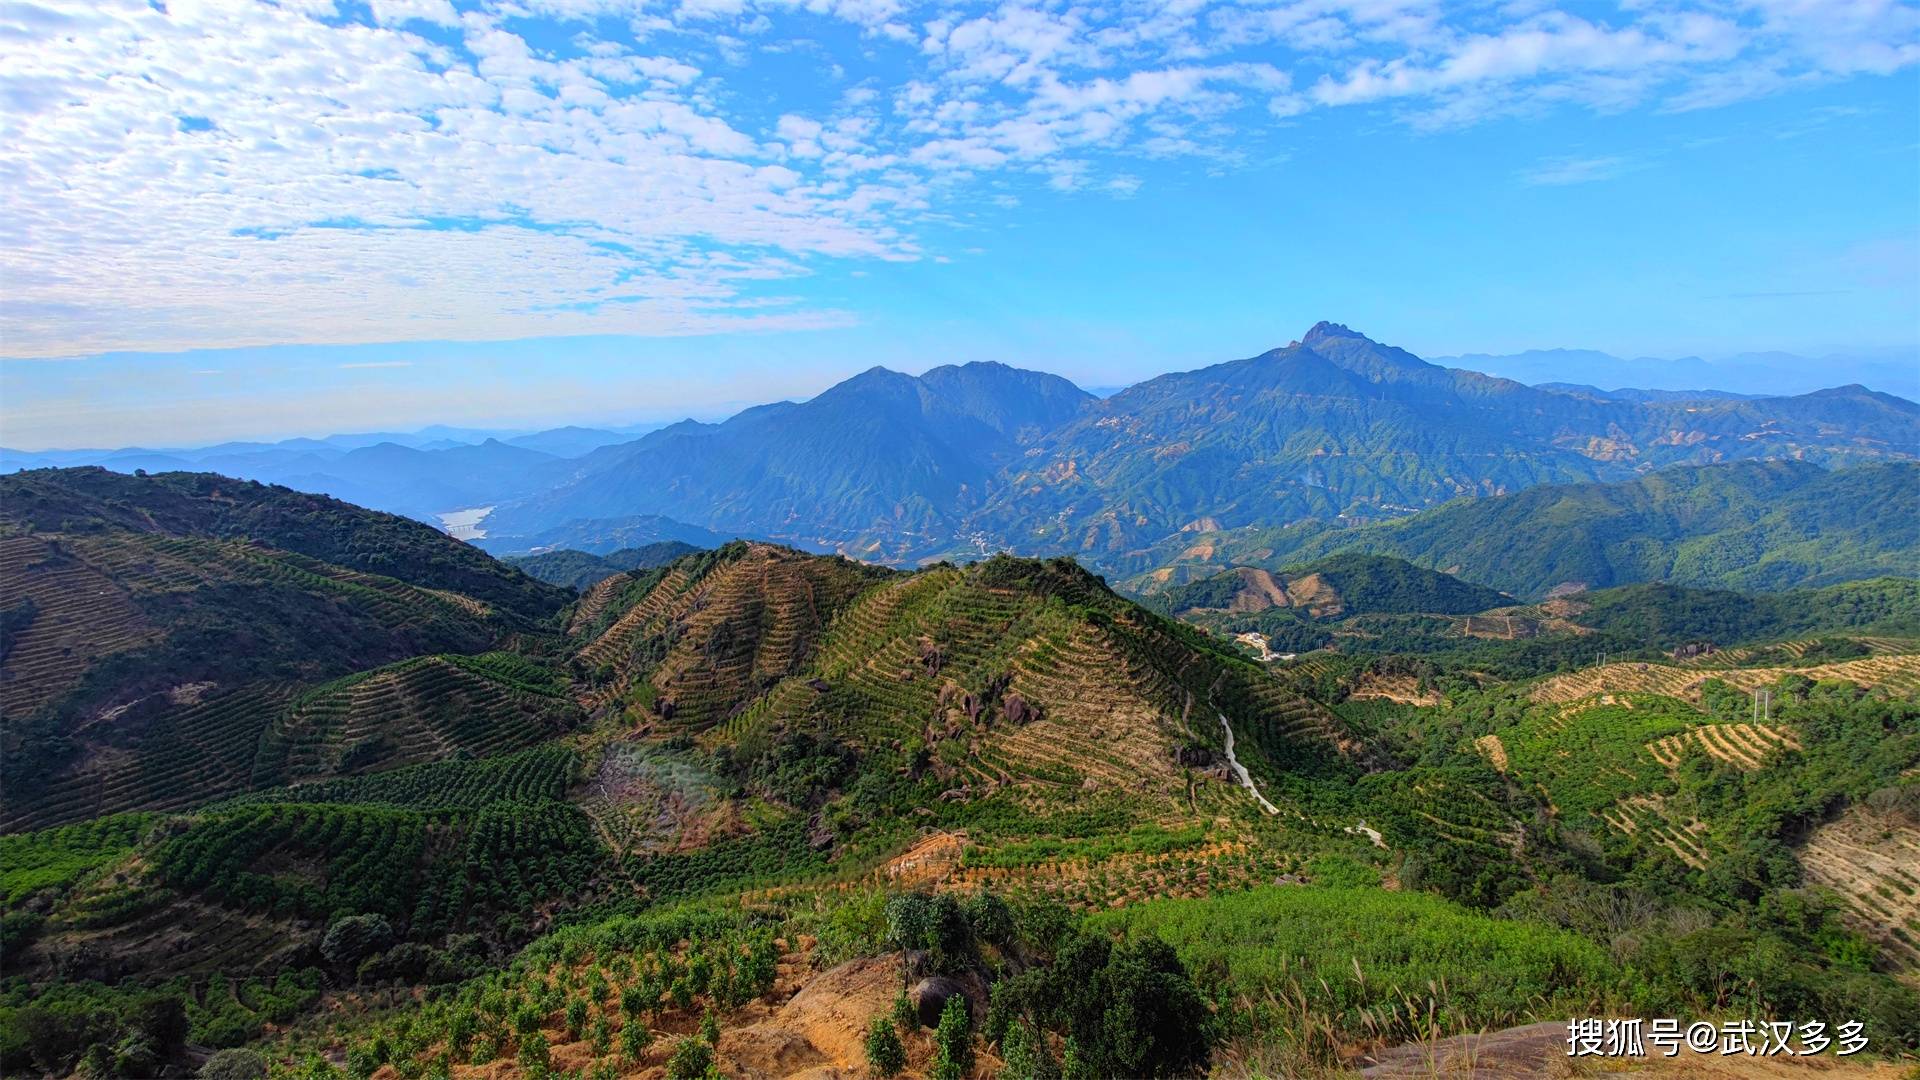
(953, 1040)
(885, 1054)
(692, 1060)
(234, 1065)
(353, 938)
(635, 1037)
(1026, 1054)
(1128, 1010)
(534, 1056)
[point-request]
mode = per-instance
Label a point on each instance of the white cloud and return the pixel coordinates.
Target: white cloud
(236, 173)
(1576, 170)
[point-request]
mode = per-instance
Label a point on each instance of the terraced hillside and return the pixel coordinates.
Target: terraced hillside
(698, 640)
(183, 750)
(1871, 858)
(149, 645)
(713, 810)
(418, 710)
(1897, 672)
(209, 506)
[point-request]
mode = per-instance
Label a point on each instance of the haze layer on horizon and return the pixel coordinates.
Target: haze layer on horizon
(265, 220)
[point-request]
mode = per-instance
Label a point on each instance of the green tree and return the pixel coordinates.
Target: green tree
(236, 1064)
(534, 1056)
(353, 938)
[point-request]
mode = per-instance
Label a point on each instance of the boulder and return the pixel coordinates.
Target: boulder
(930, 995)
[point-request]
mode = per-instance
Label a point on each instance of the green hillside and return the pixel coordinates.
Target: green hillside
(703, 815)
(207, 506)
(580, 570)
(1754, 526)
(154, 638)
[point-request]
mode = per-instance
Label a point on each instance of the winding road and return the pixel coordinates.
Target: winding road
(1239, 770)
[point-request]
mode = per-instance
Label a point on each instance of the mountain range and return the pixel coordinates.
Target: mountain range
(421, 473)
(1335, 427)
(964, 460)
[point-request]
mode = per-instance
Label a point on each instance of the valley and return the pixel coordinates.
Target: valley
(696, 804)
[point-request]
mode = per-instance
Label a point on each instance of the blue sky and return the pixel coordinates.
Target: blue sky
(247, 220)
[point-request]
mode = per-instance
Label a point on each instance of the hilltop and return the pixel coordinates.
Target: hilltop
(581, 570)
(1346, 584)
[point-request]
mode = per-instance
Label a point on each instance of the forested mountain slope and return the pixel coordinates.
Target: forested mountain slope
(1339, 425)
(1749, 525)
(1334, 429)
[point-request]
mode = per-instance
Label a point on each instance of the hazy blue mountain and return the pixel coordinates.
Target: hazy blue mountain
(881, 465)
(1760, 373)
(968, 459)
(1636, 394)
(569, 442)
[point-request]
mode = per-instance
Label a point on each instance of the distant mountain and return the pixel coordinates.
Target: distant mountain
(1339, 427)
(882, 465)
(1754, 526)
(1635, 394)
(577, 569)
(1757, 373)
(405, 474)
(422, 483)
(568, 442)
(962, 461)
(1340, 585)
